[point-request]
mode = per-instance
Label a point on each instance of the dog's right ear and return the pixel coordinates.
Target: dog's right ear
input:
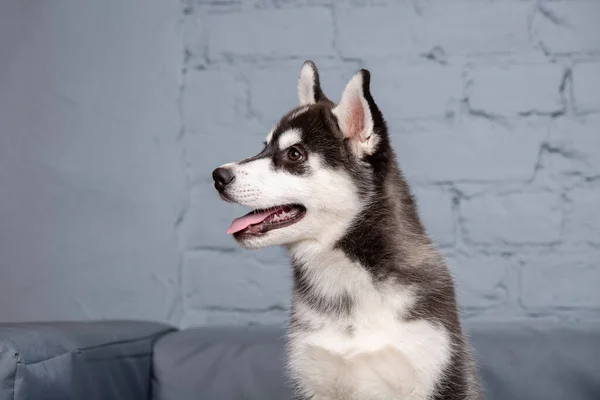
(309, 85)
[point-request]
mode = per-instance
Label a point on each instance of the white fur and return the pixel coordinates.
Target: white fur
(289, 138)
(364, 142)
(306, 85)
(385, 357)
(330, 198)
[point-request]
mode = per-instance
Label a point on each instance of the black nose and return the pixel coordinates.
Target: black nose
(222, 177)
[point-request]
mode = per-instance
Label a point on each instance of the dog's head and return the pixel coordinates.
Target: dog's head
(317, 171)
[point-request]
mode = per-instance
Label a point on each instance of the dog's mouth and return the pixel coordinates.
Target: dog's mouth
(259, 222)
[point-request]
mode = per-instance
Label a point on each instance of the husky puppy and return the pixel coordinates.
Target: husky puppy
(374, 313)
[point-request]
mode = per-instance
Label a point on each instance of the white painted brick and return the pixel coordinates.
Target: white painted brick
(516, 218)
(481, 280)
(272, 255)
(205, 152)
(463, 27)
(515, 89)
(474, 151)
(363, 32)
(435, 209)
(582, 224)
(418, 91)
(586, 86)
(273, 91)
(459, 27)
(575, 147)
(576, 31)
(234, 280)
(561, 279)
(302, 32)
(207, 219)
(212, 97)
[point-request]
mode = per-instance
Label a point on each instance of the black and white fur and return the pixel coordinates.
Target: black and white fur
(373, 314)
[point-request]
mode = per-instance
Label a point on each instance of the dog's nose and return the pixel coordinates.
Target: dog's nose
(222, 177)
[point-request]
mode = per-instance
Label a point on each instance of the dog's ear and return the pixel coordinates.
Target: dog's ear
(309, 85)
(355, 114)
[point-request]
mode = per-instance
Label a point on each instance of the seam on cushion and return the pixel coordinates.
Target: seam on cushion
(47, 359)
(137, 339)
(79, 352)
(86, 348)
(119, 357)
(97, 347)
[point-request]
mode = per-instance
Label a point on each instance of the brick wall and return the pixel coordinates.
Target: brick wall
(108, 138)
(494, 112)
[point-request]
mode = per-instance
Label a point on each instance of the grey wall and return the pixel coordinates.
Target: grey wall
(113, 115)
(91, 177)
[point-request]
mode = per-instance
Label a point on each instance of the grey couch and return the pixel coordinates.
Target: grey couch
(143, 361)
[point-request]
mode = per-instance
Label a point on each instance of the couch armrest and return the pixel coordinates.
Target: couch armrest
(77, 360)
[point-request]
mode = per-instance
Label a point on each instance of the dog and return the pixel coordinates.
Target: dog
(373, 313)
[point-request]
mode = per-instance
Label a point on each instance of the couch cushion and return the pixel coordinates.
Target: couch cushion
(538, 360)
(221, 364)
(77, 360)
(518, 360)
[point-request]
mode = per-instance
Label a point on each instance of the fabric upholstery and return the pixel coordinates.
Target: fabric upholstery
(77, 360)
(517, 360)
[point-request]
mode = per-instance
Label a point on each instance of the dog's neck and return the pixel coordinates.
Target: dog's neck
(385, 234)
(371, 262)
(354, 277)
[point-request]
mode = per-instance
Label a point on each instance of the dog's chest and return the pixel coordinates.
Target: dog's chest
(385, 359)
(371, 353)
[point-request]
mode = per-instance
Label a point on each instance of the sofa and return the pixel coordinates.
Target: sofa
(144, 360)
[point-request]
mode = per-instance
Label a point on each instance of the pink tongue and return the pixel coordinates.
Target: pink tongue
(242, 223)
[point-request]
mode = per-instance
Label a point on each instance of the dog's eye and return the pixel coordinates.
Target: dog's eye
(294, 154)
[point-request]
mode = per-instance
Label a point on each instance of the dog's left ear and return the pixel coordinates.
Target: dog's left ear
(309, 85)
(355, 114)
